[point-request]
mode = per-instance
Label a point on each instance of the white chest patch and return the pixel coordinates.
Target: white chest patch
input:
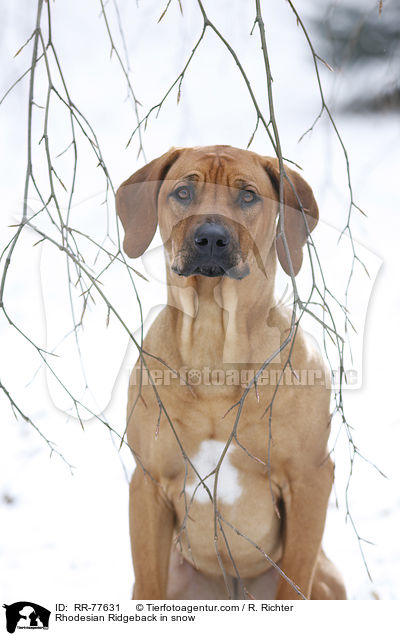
(205, 461)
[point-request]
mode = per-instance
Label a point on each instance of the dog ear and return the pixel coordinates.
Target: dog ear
(136, 203)
(294, 220)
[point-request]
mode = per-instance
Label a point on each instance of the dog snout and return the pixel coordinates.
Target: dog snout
(211, 239)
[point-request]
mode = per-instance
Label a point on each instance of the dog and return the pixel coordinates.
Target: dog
(230, 493)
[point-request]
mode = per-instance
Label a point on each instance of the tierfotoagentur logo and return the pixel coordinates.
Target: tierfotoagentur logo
(26, 615)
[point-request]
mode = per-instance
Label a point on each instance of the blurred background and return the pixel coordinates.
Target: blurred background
(63, 514)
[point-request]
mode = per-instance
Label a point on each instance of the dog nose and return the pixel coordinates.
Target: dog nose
(211, 238)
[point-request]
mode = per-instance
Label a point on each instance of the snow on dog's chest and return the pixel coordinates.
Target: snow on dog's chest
(205, 462)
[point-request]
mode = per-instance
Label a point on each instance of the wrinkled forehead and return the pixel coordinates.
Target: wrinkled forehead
(223, 166)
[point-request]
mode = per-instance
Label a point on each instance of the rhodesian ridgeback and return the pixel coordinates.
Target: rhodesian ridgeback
(233, 476)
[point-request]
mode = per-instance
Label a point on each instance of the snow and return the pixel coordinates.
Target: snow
(66, 532)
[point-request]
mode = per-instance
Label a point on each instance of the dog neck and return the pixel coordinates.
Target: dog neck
(222, 321)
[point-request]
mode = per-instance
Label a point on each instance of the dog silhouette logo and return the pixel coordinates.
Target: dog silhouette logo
(26, 615)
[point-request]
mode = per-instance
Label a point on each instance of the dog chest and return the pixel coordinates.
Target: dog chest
(214, 469)
(217, 483)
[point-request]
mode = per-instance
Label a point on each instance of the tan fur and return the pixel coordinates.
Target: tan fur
(225, 323)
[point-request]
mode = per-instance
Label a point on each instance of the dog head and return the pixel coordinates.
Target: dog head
(217, 211)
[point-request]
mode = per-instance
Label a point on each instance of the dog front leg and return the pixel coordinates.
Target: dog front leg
(151, 526)
(305, 499)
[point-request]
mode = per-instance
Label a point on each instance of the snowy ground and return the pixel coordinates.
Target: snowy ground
(66, 534)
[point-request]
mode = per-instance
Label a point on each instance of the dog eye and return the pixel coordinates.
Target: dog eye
(183, 194)
(248, 197)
